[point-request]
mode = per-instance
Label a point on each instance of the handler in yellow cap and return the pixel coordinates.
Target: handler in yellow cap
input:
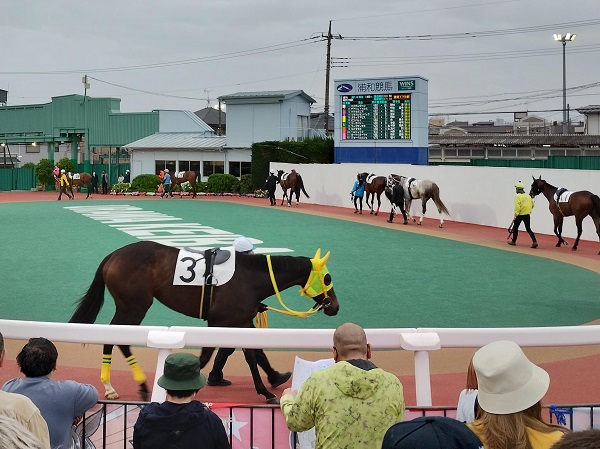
(523, 208)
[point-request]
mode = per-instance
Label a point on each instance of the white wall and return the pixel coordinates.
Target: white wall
(478, 195)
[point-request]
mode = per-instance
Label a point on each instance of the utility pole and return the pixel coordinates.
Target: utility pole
(327, 74)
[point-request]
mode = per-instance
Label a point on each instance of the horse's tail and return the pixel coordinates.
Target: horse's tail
(438, 201)
(301, 183)
(89, 305)
(596, 203)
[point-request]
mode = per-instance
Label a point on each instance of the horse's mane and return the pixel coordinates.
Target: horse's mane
(280, 263)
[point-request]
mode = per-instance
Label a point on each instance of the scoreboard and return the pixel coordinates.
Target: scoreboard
(376, 116)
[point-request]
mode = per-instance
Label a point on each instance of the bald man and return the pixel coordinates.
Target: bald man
(350, 404)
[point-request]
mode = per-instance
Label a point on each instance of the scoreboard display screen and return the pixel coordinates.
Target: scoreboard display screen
(376, 117)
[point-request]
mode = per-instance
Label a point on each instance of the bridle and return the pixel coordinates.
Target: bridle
(314, 287)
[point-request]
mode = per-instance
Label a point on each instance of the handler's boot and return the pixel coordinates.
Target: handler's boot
(389, 220)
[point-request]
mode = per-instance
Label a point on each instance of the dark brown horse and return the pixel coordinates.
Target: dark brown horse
(178, 178)
(79, 180)
(293, 182)
(580, 204)
(154, 266)
(374, 186)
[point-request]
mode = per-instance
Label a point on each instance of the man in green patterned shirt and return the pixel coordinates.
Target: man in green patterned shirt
(350, 404)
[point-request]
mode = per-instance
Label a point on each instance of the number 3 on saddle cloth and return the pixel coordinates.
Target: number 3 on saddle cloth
(207, 269)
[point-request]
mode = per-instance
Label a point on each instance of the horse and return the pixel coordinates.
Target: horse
(79, 180)
(565, 204)
(374, 185)
(155, 265)
(423, 189)
(293, 182)
(179, 178)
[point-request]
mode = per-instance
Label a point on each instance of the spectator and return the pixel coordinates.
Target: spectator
(215, 377)
(510, 392)
(271, 186)
(22, 409)
(358, 191)
(181, 421)
(466, 410)
(350, 404)
(94, 182)
(127, 176)
(64, 183)
(166, 184)
(523, 208)
(104, 180)
(14, 436)
(60, 402)
(584, 439)
(121, 178)
(430, 432)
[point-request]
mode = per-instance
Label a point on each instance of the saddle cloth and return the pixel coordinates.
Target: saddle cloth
(411, 185)
(284, 176)
(74, 176)
(179, 174)
(562, 195)
(190, 268)
(371, 177)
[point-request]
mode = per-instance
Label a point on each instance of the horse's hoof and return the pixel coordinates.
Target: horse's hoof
(419, 223)
(574, 248)
(441, 226)
(405, 222)
(273, 401)
(372, 213)
(111, 395)
(375, 213)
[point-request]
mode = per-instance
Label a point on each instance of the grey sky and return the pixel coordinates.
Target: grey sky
(232, 45)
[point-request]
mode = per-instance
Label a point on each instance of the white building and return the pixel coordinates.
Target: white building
(267, 116)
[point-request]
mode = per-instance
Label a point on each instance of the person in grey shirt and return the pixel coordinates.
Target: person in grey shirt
(61, 403)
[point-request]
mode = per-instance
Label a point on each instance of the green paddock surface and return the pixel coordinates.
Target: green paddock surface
(383, 278)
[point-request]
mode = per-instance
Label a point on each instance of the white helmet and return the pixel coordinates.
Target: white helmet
(272, 172)
(63, 170)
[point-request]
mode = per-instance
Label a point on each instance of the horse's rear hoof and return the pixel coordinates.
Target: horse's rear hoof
(574, 248)
(441, 226)
(372, 213)
(419, 223)
(375, 213)
(273, 401)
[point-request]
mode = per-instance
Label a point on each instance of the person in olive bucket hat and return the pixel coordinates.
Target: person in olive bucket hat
(180, 421)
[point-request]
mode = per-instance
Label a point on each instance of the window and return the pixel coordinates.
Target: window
(189, 166)
(32, 148)
(211, 167)
(303, 121)
(161, 165)
(239, 169)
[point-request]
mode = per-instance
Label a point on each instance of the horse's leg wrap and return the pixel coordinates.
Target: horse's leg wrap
(105, 371)
(136, 370)
(109, 391)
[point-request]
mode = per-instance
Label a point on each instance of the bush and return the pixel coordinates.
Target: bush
(246, 184)
(145, 183)
(121, 187)
(28, 165)
(66, 164)
(43, 171)
(223, 183)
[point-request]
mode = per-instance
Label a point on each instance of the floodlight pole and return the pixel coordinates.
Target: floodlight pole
(563, 39)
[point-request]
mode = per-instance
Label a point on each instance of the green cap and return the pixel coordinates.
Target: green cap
(182, 372)
(520, 185)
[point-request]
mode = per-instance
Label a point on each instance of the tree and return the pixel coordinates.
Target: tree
(43, 171)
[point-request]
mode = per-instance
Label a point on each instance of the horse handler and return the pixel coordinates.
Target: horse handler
(523, 208)
(396, 197)
(64, 183)
(271, 186)
(358, 191)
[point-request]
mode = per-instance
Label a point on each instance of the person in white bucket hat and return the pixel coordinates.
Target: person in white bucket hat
(510, 391)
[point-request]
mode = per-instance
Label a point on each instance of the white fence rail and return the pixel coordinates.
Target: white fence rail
(419, 340)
